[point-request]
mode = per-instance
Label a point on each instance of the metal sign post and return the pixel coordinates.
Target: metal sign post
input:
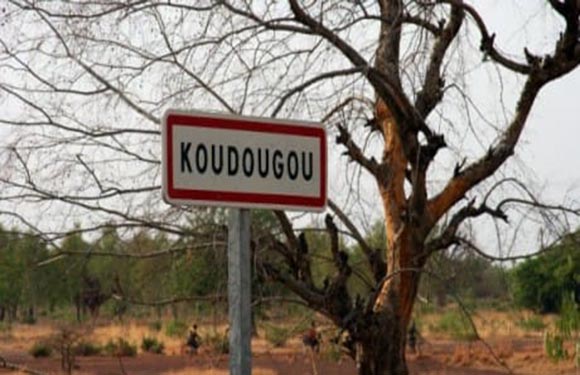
(239, 291)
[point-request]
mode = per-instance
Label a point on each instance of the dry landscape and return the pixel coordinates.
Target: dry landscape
(521, 349)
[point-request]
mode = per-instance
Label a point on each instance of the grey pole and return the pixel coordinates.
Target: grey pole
(239, 292)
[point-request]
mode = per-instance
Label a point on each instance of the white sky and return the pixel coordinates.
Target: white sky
(548, 154)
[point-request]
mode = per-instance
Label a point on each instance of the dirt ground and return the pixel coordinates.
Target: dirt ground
(523, 355)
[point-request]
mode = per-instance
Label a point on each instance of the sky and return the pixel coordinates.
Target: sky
(550, 142)
(547, 156)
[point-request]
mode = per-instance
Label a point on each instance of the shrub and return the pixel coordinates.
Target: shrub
(567, 328)
(533, 323)
(29, 320)
(40, 350)
(152, 345)
(87, 349)
(5, 327)
(120, 348)
(554, 346)
(277, 336)
(455, 325)
(425, 308)
(332, 351)
(543, 282)
(155, 325)
(217, 342)
(176, 328)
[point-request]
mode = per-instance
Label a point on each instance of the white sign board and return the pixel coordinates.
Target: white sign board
(224, 160)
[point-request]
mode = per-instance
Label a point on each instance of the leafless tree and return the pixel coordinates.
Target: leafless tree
(84, 84)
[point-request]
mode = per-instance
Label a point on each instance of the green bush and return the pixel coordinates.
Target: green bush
(541, 283)
(152, 345)
(176, 328)
(87, 349)
(455, 325)
(567, 329)
(554, 346)
(568, 323)
(277, 336)
(5, 327)
(29, 320)
(425, 308)
(332, 351)
(40, 350)
(120, 348)
(533, 323)
(155, 325)
(217, 342)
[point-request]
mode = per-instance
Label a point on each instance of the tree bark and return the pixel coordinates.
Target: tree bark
(381, 351)
(381, 348)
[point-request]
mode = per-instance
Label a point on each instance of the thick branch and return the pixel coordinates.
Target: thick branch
(287, 228)
(387, 87)
(306, 292)
(432, 91)
(373, 256)
(487, 40)
(448, 236)
(353, 150)
(495, 157)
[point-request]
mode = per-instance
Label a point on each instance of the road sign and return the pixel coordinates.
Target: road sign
(248, 162)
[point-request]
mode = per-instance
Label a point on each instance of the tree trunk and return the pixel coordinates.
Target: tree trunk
(12, 313)
(30, 316)
(381, 347)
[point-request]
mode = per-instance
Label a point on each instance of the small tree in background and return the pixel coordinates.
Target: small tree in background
(542, 283)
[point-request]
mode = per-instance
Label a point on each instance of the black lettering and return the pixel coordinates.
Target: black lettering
(292, 165)
(263, 165)
(307, 172)
(217, 168)
(185, 163)
(201, 153)
(232, 160)
(248, 162)
(278, 166)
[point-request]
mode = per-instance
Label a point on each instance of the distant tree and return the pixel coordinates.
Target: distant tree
(10, 275)
(22, 286)
(542, 283)
(459, 273)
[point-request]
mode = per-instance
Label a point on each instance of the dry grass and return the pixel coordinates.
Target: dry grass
(219, 372)
(520, 348)
(21, 336)
(489, 323)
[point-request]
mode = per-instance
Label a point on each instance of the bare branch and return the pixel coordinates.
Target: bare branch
(487, 40)
(310, 82)
(114, 254)
(432, 90)
(373, 256)
(354, 152)
(171, 301)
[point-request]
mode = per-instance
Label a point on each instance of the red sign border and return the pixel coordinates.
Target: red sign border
(241, 199)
